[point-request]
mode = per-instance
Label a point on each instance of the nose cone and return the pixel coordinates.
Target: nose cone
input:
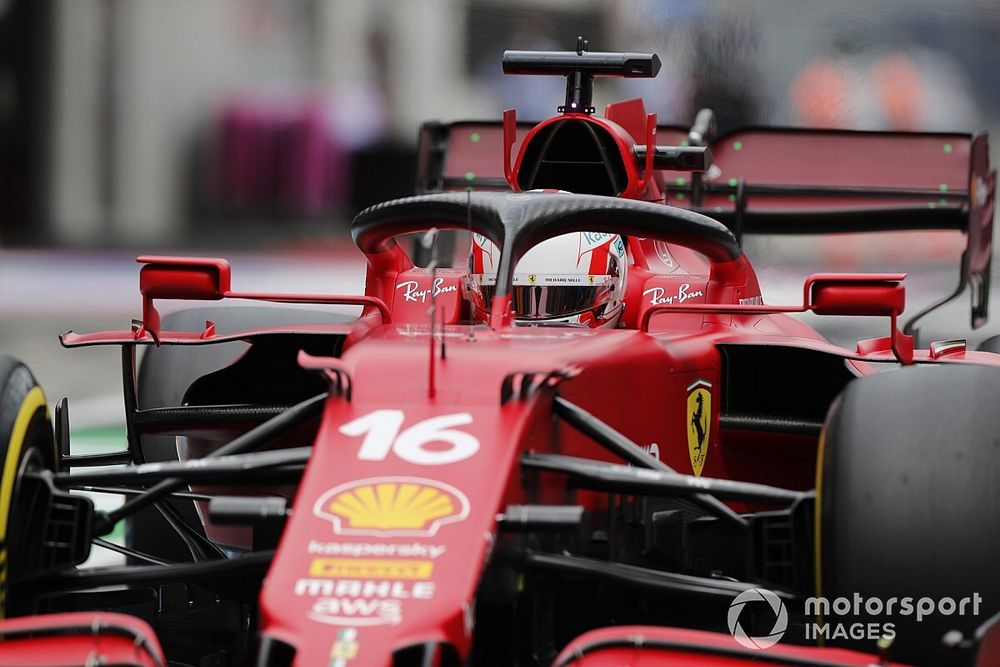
(392, 527)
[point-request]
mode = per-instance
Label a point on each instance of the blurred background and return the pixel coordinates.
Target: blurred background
(255, 129)
(236, 123)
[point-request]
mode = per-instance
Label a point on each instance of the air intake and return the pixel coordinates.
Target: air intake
(573, 155)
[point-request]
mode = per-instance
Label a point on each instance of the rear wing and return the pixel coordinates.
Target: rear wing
(802, 181)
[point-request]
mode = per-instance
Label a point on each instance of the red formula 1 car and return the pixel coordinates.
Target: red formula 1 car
(590, 442)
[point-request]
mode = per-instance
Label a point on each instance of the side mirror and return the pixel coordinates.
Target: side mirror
(875, 294)
(205, 279)
(865, 294)
(202, 279)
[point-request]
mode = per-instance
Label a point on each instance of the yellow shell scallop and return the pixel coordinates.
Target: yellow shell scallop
(392, 505)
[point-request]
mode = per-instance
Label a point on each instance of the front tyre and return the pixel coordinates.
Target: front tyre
(26, 443)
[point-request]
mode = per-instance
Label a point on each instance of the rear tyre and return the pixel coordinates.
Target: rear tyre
(26, 443)
(907, 502)
(991, 344)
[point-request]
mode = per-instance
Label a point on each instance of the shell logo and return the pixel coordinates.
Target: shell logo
(391, 506)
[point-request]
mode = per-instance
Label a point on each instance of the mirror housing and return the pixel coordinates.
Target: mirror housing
(204, 279)
(193, 278)
(864, 294)
(869, 295)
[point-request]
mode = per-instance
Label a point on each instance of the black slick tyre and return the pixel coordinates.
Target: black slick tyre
(908, 504)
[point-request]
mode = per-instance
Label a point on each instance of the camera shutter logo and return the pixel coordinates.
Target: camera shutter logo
(780, 618)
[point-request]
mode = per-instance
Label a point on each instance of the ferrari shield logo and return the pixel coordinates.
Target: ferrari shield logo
(699, 420)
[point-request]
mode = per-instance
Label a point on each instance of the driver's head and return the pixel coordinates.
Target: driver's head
(573, 279)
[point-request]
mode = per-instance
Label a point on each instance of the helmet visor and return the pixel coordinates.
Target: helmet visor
(538, 296)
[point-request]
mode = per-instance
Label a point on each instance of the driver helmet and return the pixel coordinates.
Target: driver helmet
(575, 279)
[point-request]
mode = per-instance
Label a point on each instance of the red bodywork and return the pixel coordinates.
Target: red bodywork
(396, 517)
(81, 638)
(649, 647)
